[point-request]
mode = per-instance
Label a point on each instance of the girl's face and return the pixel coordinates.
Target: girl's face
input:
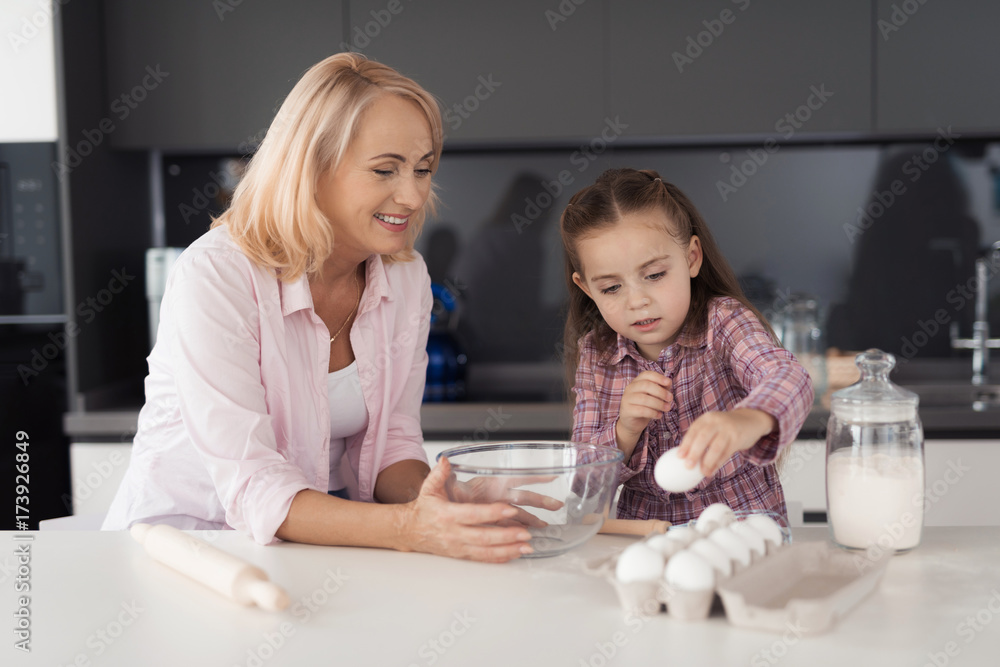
(383, 179)
(640, 278)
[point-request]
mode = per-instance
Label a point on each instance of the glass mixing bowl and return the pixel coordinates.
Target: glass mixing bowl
(564, 489)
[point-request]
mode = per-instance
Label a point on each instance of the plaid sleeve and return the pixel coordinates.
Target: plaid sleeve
(775, 382)
(591, 423)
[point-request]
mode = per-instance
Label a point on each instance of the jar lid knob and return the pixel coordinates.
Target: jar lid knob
(875, 364)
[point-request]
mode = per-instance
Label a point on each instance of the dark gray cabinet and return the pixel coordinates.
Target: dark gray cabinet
(937, 66)
(191, 75)
(515, 70)
(692, 67)
(197, 76)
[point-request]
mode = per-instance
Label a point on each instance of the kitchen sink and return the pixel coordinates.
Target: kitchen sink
(958, 395)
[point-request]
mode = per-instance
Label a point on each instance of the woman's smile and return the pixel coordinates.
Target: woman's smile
(394, 223)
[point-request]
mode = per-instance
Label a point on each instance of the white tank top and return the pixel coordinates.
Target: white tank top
(348, 416)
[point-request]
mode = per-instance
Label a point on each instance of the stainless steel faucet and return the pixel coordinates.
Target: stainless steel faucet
(980, 343)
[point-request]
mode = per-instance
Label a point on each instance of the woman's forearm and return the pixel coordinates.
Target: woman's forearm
(319, 518)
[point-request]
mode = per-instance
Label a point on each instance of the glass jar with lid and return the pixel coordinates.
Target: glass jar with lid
(800, 333)
(875, 462)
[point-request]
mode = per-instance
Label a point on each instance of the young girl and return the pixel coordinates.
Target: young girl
(669, 353)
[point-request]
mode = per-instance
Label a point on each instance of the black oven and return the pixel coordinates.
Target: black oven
(33, 337)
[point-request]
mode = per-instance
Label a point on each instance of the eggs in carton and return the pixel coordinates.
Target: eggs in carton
(683, 567)
(763, 582)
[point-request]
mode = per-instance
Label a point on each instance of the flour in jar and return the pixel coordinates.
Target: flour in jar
(875, 500)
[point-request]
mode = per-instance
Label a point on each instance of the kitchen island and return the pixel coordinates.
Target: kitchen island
(96, 598)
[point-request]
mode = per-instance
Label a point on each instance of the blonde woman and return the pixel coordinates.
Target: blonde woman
(290, 357)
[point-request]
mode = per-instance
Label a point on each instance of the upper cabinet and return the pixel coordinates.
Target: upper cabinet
(781, 67)
(937, 66)
(191, 75)
(514, 70)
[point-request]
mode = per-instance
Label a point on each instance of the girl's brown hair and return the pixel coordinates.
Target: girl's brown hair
(601, 206)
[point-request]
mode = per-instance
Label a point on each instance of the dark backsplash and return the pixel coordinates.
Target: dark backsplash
(885, 237)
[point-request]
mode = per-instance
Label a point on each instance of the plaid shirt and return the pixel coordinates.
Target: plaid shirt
(733, 363)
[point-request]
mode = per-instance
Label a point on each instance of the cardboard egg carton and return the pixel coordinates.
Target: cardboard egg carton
(810, 584)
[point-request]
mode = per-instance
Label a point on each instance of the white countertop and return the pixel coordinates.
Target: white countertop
(374, 607)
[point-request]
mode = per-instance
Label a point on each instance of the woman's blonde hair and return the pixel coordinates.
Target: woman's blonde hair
(274, 216)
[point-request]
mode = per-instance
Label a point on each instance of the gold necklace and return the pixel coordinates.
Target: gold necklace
(351, 314)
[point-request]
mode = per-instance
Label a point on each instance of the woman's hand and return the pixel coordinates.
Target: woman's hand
(715, 436)
(432, 524)
(647, 397)
(502, 489)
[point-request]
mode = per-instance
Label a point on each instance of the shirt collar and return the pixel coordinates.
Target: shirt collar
(297, 296)
(690, 337)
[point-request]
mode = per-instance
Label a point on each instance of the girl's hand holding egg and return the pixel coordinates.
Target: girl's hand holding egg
(672, 474)
(715, 436)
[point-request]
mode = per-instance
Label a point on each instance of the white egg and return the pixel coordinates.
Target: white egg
(715, 555)
(753, 538)
(734, 546)
(672, 473)
(666, 544)
(639, 562)
(767, 527)
(687, 571)
(714, 516)
(685, 534)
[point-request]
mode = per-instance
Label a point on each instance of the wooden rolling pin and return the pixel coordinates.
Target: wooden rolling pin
(634, 526)
(224, 573)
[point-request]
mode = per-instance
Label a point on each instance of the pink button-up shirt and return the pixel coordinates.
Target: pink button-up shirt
(237, 417)
(730, 363)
